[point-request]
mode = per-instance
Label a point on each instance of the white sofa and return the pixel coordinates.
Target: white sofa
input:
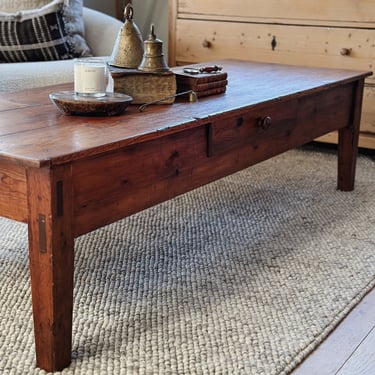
(101, 31)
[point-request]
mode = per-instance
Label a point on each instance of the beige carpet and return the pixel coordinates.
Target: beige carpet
(243, 276)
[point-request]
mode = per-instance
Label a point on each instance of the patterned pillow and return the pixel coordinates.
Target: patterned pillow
(52, 32)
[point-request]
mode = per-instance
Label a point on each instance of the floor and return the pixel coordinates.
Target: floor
(350, 348)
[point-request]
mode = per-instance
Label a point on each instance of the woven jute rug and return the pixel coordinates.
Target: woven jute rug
(246, 275)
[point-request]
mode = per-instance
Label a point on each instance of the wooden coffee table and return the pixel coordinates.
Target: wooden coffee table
(67, 175)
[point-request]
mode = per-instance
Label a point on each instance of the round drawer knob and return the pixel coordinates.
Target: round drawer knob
(345, 51)
(206, 43)
(265, 122)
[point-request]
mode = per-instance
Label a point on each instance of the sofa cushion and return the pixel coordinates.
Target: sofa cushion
(25, 75)
(15, 5)
(51, 32)
(22, 76)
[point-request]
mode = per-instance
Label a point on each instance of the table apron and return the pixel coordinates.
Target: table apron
(115, 185)
(13, 191)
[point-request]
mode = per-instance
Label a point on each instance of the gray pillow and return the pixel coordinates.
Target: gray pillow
(54, 31)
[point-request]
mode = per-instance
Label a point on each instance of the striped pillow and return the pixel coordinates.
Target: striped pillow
(40, 35)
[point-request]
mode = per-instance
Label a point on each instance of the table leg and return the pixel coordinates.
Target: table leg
(348, 143)
(51, 252)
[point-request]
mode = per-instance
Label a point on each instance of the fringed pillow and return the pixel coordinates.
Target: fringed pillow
(52, 32)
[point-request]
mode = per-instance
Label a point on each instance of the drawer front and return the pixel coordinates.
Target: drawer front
(264, 124)
(198, 41)
(314, 11)
(268, 130)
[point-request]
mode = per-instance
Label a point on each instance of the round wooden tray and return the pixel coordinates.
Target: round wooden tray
(109, 105)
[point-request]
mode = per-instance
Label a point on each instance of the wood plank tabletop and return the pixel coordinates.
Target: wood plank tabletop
(33, 132)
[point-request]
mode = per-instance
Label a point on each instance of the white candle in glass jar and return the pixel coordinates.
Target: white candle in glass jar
(90, 77)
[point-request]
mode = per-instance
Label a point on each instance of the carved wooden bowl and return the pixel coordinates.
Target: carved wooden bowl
(109, 105)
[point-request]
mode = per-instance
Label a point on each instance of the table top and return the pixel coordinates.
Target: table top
(34, 133)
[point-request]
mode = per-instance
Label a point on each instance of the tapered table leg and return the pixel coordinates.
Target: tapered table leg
(348, 143)
(51, 252)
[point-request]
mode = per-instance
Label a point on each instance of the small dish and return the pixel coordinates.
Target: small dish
(70, 103)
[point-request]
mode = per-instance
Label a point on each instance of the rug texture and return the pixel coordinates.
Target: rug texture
(246, 275)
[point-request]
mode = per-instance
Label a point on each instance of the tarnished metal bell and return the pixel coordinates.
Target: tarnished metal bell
(153, 57)
(129, 48)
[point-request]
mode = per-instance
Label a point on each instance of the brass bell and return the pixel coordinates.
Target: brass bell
(153, 58)
(129, 48)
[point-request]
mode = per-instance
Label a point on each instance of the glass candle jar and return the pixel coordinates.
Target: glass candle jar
(90, 77)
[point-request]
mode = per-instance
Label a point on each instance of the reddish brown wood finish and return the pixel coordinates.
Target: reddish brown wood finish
(51, 255)
(348, 142)
(66, 176)
(13, 191)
